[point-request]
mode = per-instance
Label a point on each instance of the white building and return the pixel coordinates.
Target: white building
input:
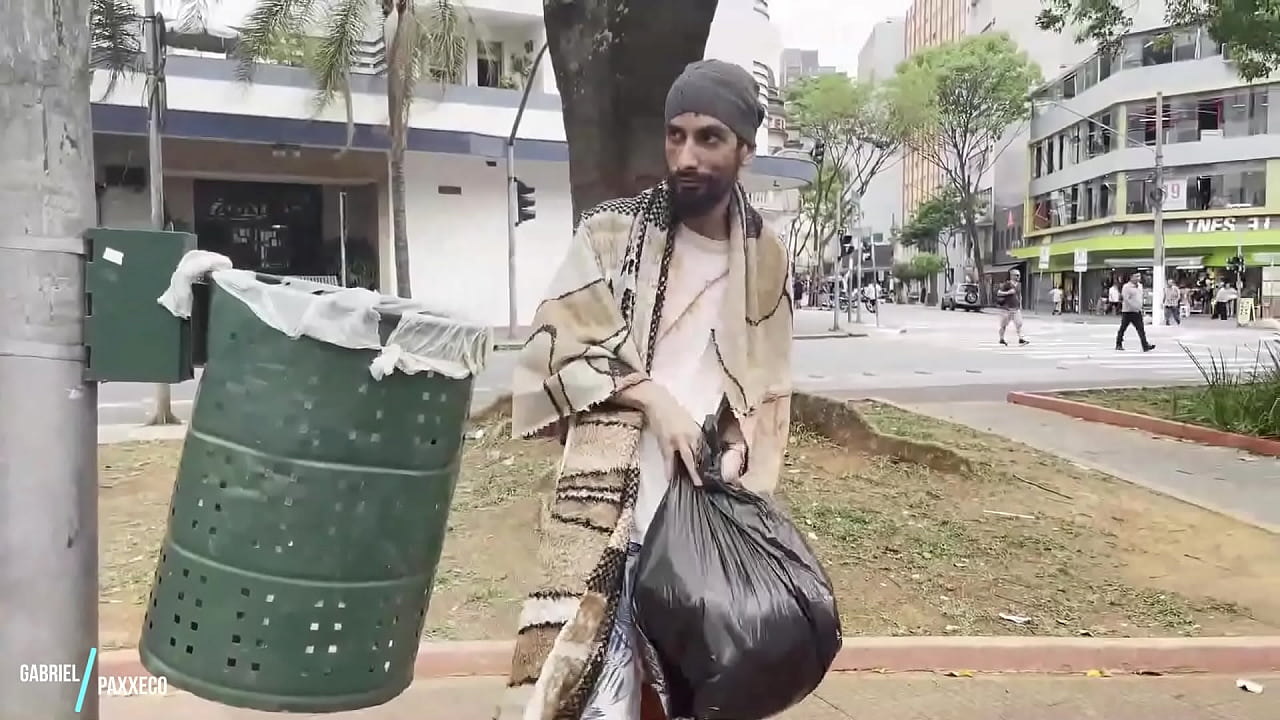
(878, 60)
(254, 170)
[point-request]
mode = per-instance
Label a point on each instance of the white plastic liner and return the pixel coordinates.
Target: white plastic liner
(347, 317)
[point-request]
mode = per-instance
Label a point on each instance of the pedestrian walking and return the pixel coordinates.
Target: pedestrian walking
(667, 303)
(1009, 300)
(1131, 297)
(1113, 299)
(1172, 304)
(1055, 297)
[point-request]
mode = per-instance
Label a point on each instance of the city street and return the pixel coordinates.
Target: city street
(918, 353)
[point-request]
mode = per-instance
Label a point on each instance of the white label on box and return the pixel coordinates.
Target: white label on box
(113, 255)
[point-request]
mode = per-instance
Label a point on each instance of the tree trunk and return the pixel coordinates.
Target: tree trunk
(163, 412)
(399, 101)
(399, 223)
(614, 62)
(48, 413)
(975, 249)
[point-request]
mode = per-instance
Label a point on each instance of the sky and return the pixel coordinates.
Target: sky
(835, 28)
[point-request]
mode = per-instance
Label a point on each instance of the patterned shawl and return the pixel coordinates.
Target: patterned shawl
(592, 338)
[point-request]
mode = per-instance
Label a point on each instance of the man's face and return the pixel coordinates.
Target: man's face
(704, 158)
(1015, 276)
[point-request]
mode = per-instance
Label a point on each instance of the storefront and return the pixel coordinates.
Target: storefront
(1198, 254)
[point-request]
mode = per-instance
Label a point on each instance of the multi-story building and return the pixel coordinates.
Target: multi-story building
(929, 23)
(1090, 195)
(1003, 184)
(255, 171)
(797, 64)
(878, 60)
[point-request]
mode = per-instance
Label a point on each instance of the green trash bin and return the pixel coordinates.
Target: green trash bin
(312, 499)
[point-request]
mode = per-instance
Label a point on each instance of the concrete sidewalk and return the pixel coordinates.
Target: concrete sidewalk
(864, 695)
(1231, 482)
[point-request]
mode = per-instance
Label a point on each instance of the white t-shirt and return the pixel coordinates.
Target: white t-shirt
(684, 361)
(1055, 294)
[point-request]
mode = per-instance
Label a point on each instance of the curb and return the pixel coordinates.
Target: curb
(828, 335)
(126, 433)
(1225, 655)
(1158, 426)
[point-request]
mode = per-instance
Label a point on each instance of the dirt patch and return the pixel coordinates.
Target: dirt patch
(911, 549)
(1101, 557)
(1166, 403)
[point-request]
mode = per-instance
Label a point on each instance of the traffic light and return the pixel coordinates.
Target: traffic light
(866, 250)
(524, 202)
(846, 246)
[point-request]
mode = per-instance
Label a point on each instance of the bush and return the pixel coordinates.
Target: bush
(1241, 402)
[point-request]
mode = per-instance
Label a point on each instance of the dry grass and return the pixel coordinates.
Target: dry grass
(910, 550)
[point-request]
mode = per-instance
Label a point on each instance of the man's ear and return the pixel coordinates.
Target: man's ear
(746, 154)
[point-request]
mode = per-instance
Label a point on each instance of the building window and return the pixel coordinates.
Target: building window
(1104, 66)
(1157, 49)
(1037, 167)
(1184, 45)
(489, 64)
(1098, 135)
(1208, 187)
(1208, 47)
(1138, 192)
(1090, 200)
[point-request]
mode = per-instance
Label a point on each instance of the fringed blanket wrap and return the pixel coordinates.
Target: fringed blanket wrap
(592, 338)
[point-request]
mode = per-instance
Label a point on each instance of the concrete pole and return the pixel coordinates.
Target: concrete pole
(1157, 270)
(152, 46)
(48, 413)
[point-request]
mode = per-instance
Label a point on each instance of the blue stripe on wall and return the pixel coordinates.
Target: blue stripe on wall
(126, 120)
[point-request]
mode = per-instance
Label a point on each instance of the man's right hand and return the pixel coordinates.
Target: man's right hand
(679, 435)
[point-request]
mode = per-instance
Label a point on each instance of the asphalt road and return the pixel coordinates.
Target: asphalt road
(919, 354)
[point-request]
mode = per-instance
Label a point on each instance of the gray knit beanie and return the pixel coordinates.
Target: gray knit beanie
(721, 90)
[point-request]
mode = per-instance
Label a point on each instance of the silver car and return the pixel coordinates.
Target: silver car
(963, 296)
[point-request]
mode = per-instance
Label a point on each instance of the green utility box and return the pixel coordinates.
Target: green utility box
(312, 499)
(130, 337)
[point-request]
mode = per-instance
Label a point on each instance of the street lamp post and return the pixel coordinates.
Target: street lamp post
(1156, 197)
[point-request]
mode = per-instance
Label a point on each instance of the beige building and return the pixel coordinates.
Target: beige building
(929, 23)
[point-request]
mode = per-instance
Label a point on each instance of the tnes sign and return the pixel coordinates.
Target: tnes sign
(1229, 224)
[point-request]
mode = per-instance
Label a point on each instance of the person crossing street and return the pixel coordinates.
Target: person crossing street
(1009, 300)
(1131, 297)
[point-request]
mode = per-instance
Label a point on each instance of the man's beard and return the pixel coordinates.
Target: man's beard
(695, 199)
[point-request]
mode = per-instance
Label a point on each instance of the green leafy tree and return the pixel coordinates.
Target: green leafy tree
(423, 38)
(936, 216)
(927, 265)
(963, 97)
(1250, 27)
(861, 128)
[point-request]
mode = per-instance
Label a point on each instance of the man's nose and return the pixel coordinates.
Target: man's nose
(687, 158)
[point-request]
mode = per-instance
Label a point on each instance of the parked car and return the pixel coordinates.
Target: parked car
(964, 296)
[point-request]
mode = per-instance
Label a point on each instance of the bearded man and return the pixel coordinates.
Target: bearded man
(667, 303)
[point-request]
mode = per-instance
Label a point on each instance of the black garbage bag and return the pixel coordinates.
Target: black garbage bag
(739, 613)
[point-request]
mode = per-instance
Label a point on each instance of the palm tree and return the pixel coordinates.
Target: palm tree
(423, 38)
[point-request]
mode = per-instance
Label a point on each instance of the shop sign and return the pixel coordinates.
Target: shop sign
(1081, 261)
(1229, 224)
